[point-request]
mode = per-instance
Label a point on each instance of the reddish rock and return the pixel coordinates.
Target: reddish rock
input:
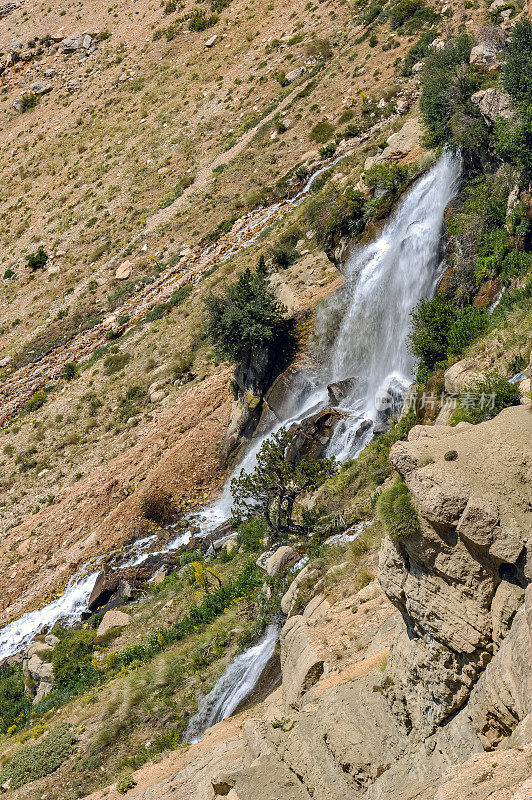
(487, 293)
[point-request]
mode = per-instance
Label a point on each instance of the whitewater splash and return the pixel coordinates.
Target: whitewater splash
(235, 685)
(68, 608)
(385, 281)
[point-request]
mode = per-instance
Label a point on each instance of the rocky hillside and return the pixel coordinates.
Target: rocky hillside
(200, 200)
(441, 669)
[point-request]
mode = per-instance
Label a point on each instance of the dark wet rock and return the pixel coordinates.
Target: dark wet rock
(312, 435)
(288, 392)
(339, 390)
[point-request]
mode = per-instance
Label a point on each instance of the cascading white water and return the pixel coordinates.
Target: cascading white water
(68, 608)
(385, 280)
(236, 684)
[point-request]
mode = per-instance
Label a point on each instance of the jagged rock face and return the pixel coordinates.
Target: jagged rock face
(460, 582)
(494, 103)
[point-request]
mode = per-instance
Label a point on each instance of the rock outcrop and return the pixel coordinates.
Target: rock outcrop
(434, 700)
(461, 580)
(37, 667)
(494, 103)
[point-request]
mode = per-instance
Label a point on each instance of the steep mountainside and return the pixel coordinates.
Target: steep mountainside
(265, 400)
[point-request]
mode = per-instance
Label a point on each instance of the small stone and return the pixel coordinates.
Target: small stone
(123, 271)
(294, 74)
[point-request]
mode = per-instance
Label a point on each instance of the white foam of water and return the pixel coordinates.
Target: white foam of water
(68, 608)
(237, 682)
(349, 535)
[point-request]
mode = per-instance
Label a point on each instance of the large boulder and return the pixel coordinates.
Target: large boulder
(312, 435)
(277, 559)
(399, 144)
(288, 392)
(301, 663)
(289, 599)
(339, 390)
(113, 619)
(487, 55)
(494, 103)
(38, 670)
(461, 375)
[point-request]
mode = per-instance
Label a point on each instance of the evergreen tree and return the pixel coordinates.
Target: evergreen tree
(276, 482)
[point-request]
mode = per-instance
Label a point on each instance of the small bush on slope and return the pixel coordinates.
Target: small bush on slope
(396, 511)
(13, 700)
(485, 399)
(37, 760)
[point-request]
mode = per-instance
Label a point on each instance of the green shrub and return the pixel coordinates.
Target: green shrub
(200, 22)
(512, 140)
(447, 83)
(469, 323)
(72, 660)
(347, 116)
(418, 51)
(8, 274)
(248, 314)
(115, 362)
(396, 511)
(371, 13)
(387, 177)
(188, 556)
(125, 783)
(328, 150)
(322, 132)
(180, 295)
(182, 366)
(70, 371)
(414, 11)
(37, 260)
(28, 101)
(431, 322)
(36, 401)
(132, 404)
(517, 69)
(14, 702)
(251, 533)
(514, 264)
(197, 617)
(333, 215)
(485, 398)
(37, 760)
(493, 246)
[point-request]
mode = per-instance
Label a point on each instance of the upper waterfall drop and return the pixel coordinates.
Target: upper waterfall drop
(384, 282)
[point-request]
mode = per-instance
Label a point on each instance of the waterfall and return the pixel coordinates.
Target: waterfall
(384, 281)
(68, 608)
(235, 685)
